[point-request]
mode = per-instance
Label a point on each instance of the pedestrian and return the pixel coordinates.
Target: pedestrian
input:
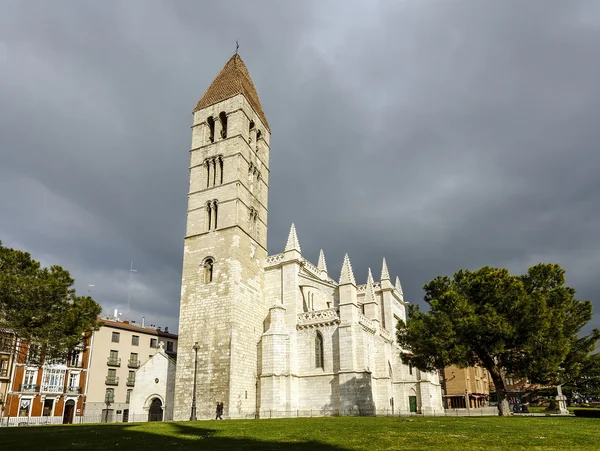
(219, 411)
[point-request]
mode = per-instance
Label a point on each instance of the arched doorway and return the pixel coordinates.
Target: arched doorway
(155, 413)
(69, 411)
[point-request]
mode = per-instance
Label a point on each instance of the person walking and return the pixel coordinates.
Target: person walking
(219, 411)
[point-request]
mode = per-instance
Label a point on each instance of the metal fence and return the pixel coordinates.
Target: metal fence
(263, 414)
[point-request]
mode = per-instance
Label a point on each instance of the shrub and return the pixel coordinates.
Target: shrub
(552, 405)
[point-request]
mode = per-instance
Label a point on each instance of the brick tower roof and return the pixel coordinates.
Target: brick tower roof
(233, 79)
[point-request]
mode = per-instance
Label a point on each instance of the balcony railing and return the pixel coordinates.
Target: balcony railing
(113, 361)
(109, 399)
(130, 382)
(74, 389)
(133, 364)
(3, 372)
(29, 388)
(112, 380)
(52, 389)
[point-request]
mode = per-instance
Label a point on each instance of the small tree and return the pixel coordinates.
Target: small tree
(526, 325)
(39, 306)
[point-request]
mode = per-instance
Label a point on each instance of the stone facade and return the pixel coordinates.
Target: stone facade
(154, 383)
(275, 333)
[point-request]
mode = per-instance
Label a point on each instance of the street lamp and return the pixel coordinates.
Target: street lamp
(193, 415)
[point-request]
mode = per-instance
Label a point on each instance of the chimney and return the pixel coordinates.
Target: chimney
(143, 321)
(167, 329)
(116, 314)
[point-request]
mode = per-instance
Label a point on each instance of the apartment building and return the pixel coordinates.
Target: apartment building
(119, 348)
(55, 391)
(465, 387)
(7, 353)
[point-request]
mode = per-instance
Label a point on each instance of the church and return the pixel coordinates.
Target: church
(275, 335)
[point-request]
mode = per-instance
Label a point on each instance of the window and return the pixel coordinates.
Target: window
(30, 378)
(116, 337)
(4, 365)
(319, 350)
(109, 396)
(135, 340)
(48, 403)
(170, 346)
(128, 397)
(114, 355)
(131, 377)
(410, 369)
(75, 358)
(53, 380)
(220, 170)
(211, 129)
(211, 209)
(208, 270)
(223, 118)
(24, 407)
(133, 357)
(73, 382)
(153, 342)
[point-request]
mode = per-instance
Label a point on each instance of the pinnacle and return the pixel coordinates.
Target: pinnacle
(347, 276)
(385, 274)
(398, 286)
(370, 291)
(322, 265)
(292, 241)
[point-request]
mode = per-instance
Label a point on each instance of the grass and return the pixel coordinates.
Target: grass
(317, 434)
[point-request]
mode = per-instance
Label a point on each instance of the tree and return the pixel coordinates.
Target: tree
(39, 306)
(524, 325)
(587, 382)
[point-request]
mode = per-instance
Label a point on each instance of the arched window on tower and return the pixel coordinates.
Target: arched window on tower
(209, 266)
(215, 213)
(208, 216)
(319, 351)
(223, 118)
(220, 170)
(211, 129)
(207, 173)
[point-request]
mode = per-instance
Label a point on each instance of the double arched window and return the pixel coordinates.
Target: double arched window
(319, 358)
(212, 210)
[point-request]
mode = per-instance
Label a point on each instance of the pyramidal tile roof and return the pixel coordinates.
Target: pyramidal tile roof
(292, 242)
(233, 79)
(347, 276)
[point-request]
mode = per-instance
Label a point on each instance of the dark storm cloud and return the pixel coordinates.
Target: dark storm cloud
(438, 134)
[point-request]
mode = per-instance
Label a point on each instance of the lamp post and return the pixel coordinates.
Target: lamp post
(193, 415)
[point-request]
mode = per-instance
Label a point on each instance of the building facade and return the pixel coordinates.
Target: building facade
(118, 349)
(465, 387)
(7, 357)
(51, 392)
(274, 333)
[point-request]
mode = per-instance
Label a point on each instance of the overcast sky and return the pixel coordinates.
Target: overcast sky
(439, 134)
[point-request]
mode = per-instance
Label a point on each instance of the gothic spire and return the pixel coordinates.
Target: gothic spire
(292, 241)
(398, 286)
(370, 291)
(322, 265)
(347, 276)
(385, 274)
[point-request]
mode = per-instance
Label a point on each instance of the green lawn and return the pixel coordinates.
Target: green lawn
(314, 434)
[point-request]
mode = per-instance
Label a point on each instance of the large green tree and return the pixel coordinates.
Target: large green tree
(525, 325)
(39, 306)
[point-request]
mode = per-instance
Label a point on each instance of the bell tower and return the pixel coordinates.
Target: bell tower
(225, 246)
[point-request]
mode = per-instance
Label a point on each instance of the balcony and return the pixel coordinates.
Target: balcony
(52, 389)
(112, 361)
(73, 390)
(29, 388)
(133, 363)
(109, 399)
(130, 382)
(112, 380)
(3, 372)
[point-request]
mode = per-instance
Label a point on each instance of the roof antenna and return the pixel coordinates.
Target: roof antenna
(237, 46)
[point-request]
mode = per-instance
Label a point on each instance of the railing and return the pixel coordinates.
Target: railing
(113, 361)
(29, 388)
(73, 389)
(361, 288)
(319, 317)
(130, 382)
(385, 334)
(272, 259)
(3, 372)
(133, 364)
(112, 380)
(52, 389)
(366, 323)
(109, 399)
(314, 269)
